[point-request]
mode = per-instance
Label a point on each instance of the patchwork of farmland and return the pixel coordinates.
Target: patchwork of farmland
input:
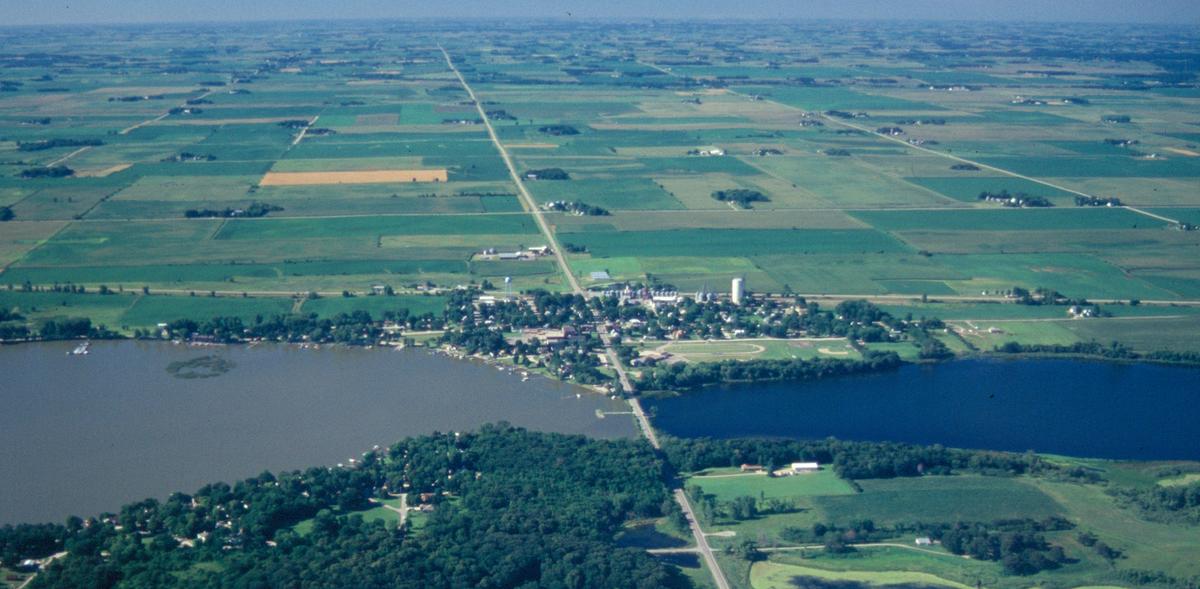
(286, 167)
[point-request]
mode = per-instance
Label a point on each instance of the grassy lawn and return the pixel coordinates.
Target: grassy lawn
(1175, 333)
(1146, 545)
(895, 559)
(906, 350)
(730, 484)
(986, 335)
(377, 512)
(774, 575)
(148, 311)
(756, 349)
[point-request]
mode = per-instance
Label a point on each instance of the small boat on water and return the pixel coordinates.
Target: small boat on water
(81, 349)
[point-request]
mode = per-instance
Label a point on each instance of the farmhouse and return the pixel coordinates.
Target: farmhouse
(1079, 312)
(752, 468)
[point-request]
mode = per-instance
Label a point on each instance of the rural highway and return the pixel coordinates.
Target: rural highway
(526, 199)
(614, 361)
(701, 540)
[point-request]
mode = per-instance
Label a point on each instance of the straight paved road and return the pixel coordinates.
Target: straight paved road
(614, 361)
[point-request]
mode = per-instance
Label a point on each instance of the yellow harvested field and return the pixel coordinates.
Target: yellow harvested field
(102, 172)
(357, 177)
(1182, 151)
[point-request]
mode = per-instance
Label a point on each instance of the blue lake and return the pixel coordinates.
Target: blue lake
(1076, 408)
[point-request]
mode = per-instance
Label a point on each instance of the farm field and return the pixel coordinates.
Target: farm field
(897, 560)
(326, 175)
(728, 484)
(330, 170)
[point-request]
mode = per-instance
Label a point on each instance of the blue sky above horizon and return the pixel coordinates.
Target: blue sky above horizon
(29, 12)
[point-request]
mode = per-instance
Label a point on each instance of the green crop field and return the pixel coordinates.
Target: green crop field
(968, 189)
(949, 499)
(733, 242)
(772, 575)
(375, 305)
(843, 211)
(1055, 219)
(149, 311)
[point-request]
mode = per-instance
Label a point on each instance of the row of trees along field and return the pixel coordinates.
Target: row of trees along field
(1174, 503)
(862, 460)
(690, 375)
(513, 509)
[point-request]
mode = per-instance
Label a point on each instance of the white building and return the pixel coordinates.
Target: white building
(798, 467)
(737, 291)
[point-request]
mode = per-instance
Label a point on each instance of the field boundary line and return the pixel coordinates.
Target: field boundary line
(134, 127)
(926, 149)
(40, 243)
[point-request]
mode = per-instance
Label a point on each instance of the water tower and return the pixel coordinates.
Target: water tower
(737, 290)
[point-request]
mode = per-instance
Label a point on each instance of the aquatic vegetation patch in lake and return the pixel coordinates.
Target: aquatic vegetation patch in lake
(201, 367)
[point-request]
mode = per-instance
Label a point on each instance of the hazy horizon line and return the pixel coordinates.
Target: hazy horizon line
(599, 19)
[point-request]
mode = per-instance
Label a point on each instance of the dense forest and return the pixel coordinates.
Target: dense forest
(512, 509)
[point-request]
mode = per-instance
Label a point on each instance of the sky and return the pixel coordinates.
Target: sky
(29, 12)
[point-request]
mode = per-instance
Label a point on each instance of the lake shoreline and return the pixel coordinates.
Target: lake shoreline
(117, 419)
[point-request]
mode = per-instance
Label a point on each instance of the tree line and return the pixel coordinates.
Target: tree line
(1112, 351)
(692, 375)
(254, 209)
(861, 460)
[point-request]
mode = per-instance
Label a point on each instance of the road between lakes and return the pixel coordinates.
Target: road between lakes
(613, 360)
